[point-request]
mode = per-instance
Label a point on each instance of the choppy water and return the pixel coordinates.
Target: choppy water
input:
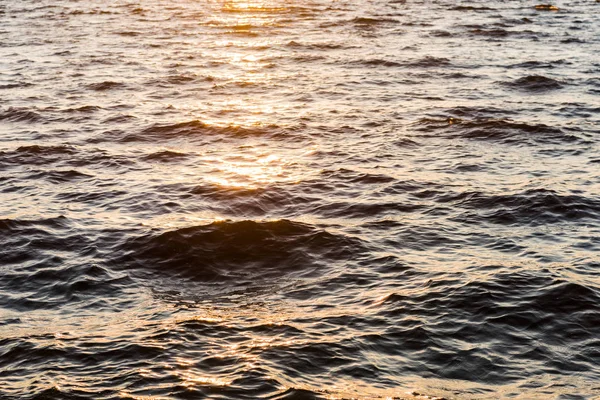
(311, 199)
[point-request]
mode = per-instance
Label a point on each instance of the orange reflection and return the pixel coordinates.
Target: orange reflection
(238, 6)
(248, 172)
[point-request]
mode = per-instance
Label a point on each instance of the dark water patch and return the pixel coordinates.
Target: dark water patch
(426, 189)
(380, 63)
(129, 33)
(471, 8)
(462, 167)
(238, 251)
(539, 64)
(92, 198)
(501, 130)
(428, 62)
(372, 21)
(119, 119)
(425, 62)
(492, 33)
(535, 207)
(11, 225)
(441, 33)
(26, 240)
(49, 282)
(572, 40)
(180, 79)
(15, 85)
(318, 46)
(59, 176)
(466, 112)
(200, 130)
(534, 83)
(36, 155)
(405, 142)
(99, 159)
(13, 114)
(506, 309)
(46, 150)
(578, 110)
(307, 58)
(568, 298)
(83, 109)
(595, 82)
(352, 177)
(313, 358)
(365, 209)
(166, 156)
(105, 86)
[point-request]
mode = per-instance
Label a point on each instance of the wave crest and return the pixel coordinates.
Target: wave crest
(226, 250)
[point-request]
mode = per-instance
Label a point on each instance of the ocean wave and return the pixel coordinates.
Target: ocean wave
(166, 156)
(535, 64)
(536, 206)
(59, 176)
(372, 21)
(36, 155)
(106, 85)
(199, 129)
(425, 62)
(245, 250)
(501, 130)
(13, 114)
(534, 83)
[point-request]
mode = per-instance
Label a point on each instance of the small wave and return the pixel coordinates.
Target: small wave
(197, 128)
(535, 207)
(165, 156)
(428, 61)
(572, 40)
(237, 250)
(12, 225)
(317, 46)
(505, 131)
(27, 240)
(35, 155)
(568, 297)
(106, 85)
(356, 177)
(19, 115)
(534, 83)
(440, 33)
(180, 79)
(15, 85)
(59, 176)
(476, 112)
(471, 8)
(538, 64)
(379, 62)
(493, 33)
(371, 21)
(365, 209)
(129, 33)
(425, 62)
(46, 150)
(83, 109)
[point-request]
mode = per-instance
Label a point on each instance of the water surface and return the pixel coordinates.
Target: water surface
(309, 199)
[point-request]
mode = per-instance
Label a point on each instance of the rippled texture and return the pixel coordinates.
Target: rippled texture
(299, 199)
